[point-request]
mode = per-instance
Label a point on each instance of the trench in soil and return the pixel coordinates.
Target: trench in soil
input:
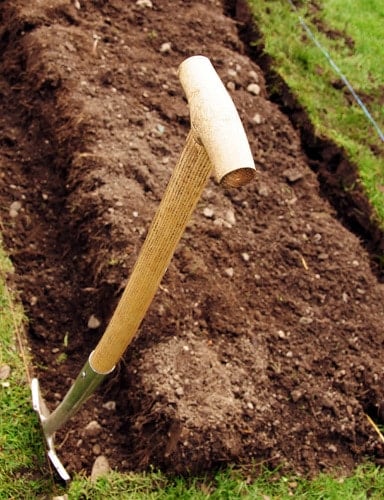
(332, 166)
(80, 224)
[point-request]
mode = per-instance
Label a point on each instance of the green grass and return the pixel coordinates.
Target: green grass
(22, 464)
(367, 482)
(309, 74)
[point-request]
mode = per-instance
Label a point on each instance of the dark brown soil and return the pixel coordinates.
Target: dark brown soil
(265, 342)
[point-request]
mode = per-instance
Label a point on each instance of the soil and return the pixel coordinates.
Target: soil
(265, 341)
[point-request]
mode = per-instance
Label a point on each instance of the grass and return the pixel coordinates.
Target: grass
(23, 469)
(22, 462)
(231, 484)
(353, 38)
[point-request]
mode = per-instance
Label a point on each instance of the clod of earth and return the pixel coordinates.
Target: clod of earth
(209, 380)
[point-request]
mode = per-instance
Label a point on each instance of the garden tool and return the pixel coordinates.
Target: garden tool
(216, 141)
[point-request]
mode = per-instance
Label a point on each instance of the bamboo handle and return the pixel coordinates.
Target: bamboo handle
(181, 196)
(216, 122)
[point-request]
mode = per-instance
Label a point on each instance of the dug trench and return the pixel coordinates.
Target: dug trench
(265, 341)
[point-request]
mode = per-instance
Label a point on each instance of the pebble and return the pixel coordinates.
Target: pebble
(179, 391)
(93, 322)
(14, 209)
(110, 405)
(229, 272)
(159, 130)
(253, 88)
(305, 320)
(253, 76)
(5, 371)
(296, 394)
(230, 217)
(245, 256)
(208, 212)
(93, 429)
(231, 86)
(144, 3)
(323, 256)
(281, 334)
(165, 48)
(257, 118)
(100, 468)
(33, 300)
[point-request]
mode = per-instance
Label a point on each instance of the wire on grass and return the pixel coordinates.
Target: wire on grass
(338, 71)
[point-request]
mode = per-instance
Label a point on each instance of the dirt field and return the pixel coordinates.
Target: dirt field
(265, 342)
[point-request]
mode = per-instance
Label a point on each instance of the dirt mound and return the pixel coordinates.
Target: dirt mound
(265, 340)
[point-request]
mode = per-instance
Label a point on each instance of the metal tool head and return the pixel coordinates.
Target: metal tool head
(41, 409)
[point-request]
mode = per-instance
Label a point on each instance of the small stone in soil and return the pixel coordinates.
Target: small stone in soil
(144, 3)
(208, 212)
(33, 300)
(229, 272)
(166, 47)
(253, 88)
(253, 75)
(93, 322)
(100, 468)
(231, 86)
(14, 209)
(245, 256)
(110, 405)
(179, 391)
(93, 428)
(256, 119)
(230, 217)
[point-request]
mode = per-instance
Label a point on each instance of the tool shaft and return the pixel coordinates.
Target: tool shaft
(85, 384)
(181, 196)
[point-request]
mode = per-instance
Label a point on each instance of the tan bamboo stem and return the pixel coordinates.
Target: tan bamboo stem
(181, 196)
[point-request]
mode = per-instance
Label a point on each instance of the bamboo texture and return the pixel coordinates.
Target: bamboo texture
(181, 196)
(216, 122)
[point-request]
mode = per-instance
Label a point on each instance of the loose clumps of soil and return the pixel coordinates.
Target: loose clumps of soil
(265, 341)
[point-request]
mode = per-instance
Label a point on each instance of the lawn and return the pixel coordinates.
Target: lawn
(330, 58)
